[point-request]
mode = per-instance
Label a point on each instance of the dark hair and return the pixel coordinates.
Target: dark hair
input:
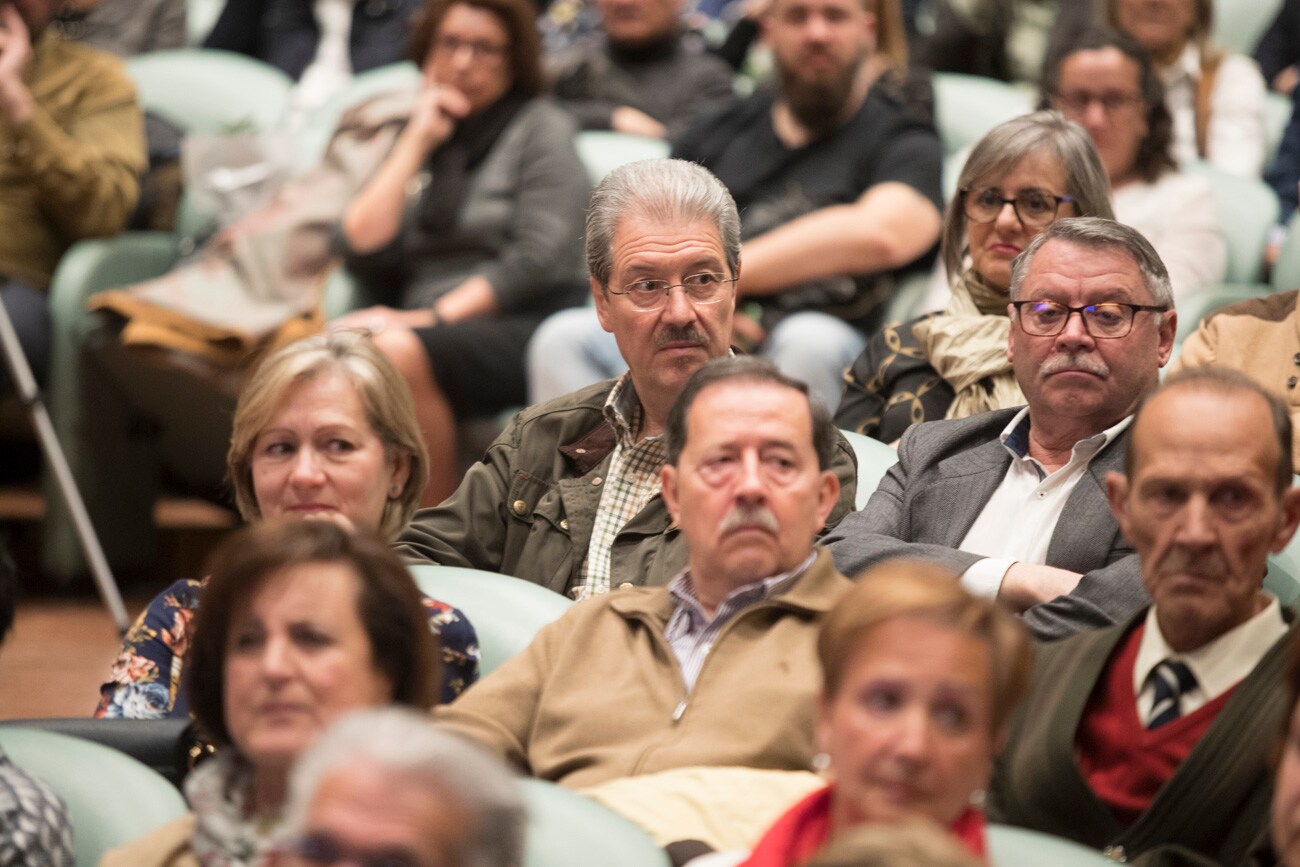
(389, 606)
(1154, 157)
(519, 17)
(746, 368)
(1226, 382)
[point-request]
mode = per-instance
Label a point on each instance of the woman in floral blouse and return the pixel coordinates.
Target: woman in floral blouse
(324, 430)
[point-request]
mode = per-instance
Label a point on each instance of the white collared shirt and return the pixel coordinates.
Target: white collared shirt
(1217, 666)
(1017, 522)
(1236, 135)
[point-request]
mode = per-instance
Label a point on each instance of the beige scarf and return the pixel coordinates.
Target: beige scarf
(967, 346)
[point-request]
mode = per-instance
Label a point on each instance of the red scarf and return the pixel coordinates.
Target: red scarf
(806, 827)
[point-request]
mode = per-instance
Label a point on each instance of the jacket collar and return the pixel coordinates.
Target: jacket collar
(814, 593)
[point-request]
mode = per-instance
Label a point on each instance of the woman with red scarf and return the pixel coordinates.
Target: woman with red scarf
(920, 680)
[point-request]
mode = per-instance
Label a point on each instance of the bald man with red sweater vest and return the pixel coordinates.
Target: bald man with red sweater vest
(1151, 740)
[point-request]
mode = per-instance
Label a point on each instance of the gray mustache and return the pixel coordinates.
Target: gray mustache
(745, 516)
(679, 334)
(1075, 361)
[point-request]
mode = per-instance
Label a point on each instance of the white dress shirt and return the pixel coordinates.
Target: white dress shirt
(1217, 666)
(1178, 215)
(1235, 136)
(1017, 523)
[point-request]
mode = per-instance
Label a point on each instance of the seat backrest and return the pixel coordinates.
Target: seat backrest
(968, 106)
(206, 91)
(603, 151)
(160, 744)
(1238, 24)
(1009, 846)
(568, 830)
(111, 798)
(1247, 209)
(1286, 270)
(874, 460)
(506, 612)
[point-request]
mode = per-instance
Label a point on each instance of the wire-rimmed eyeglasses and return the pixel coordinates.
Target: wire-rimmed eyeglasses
(703, 288)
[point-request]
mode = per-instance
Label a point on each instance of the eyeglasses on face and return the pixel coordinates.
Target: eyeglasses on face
(322, 850)
(1076, 102)
(1106, 320)
(1034, 208)
(478, 48)
(707, 287)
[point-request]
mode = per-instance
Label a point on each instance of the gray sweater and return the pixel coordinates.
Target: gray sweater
(520, 226)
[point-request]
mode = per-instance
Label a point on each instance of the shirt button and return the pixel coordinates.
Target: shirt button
(626, 585)
(597, 480)
(564, 523)
(520, 507)
(580, 451)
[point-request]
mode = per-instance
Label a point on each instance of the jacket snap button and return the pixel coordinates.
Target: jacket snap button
(520, 507)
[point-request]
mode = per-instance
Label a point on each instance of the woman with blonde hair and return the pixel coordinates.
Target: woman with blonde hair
(920, 679)
(324, 430)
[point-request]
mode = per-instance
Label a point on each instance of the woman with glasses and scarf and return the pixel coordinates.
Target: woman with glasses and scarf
(1020, 177)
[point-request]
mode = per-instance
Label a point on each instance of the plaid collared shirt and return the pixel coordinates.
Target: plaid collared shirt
(691, 633)
(632, 482)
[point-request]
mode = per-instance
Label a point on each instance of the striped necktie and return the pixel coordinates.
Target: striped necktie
(1172, 680)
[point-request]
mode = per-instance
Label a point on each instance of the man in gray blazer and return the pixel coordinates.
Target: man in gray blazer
(1015, 500)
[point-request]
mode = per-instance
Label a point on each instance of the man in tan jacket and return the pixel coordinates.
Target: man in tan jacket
(719, 667)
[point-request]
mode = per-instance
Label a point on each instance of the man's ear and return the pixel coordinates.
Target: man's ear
(668, 485)
(1290, 519)
(1168, 328)
(828, 496)
(1117, 495)
(601, 301)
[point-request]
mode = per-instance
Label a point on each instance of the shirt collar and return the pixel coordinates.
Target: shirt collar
(1186, 66)
(682, 591)
(1219, 664)
(1015, 438)
(623, 410)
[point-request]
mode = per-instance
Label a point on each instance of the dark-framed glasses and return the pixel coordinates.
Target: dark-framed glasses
(322, 850)
(707, 287)
(1076, 102)
(1106, 320)
(478, 48)
(1034, 208)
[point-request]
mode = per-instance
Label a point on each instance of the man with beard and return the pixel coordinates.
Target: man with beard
(1157, 734)
(718, 669)
(1014, 500)
(569, 497)
(838, 185)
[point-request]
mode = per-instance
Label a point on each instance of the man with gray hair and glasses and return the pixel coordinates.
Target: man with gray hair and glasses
(1015, 500)
(569, 496)
(385, 787)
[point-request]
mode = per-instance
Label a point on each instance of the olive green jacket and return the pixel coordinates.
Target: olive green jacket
(528, 507)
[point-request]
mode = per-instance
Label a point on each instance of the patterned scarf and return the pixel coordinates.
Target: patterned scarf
(224, 834)
(967, 346)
